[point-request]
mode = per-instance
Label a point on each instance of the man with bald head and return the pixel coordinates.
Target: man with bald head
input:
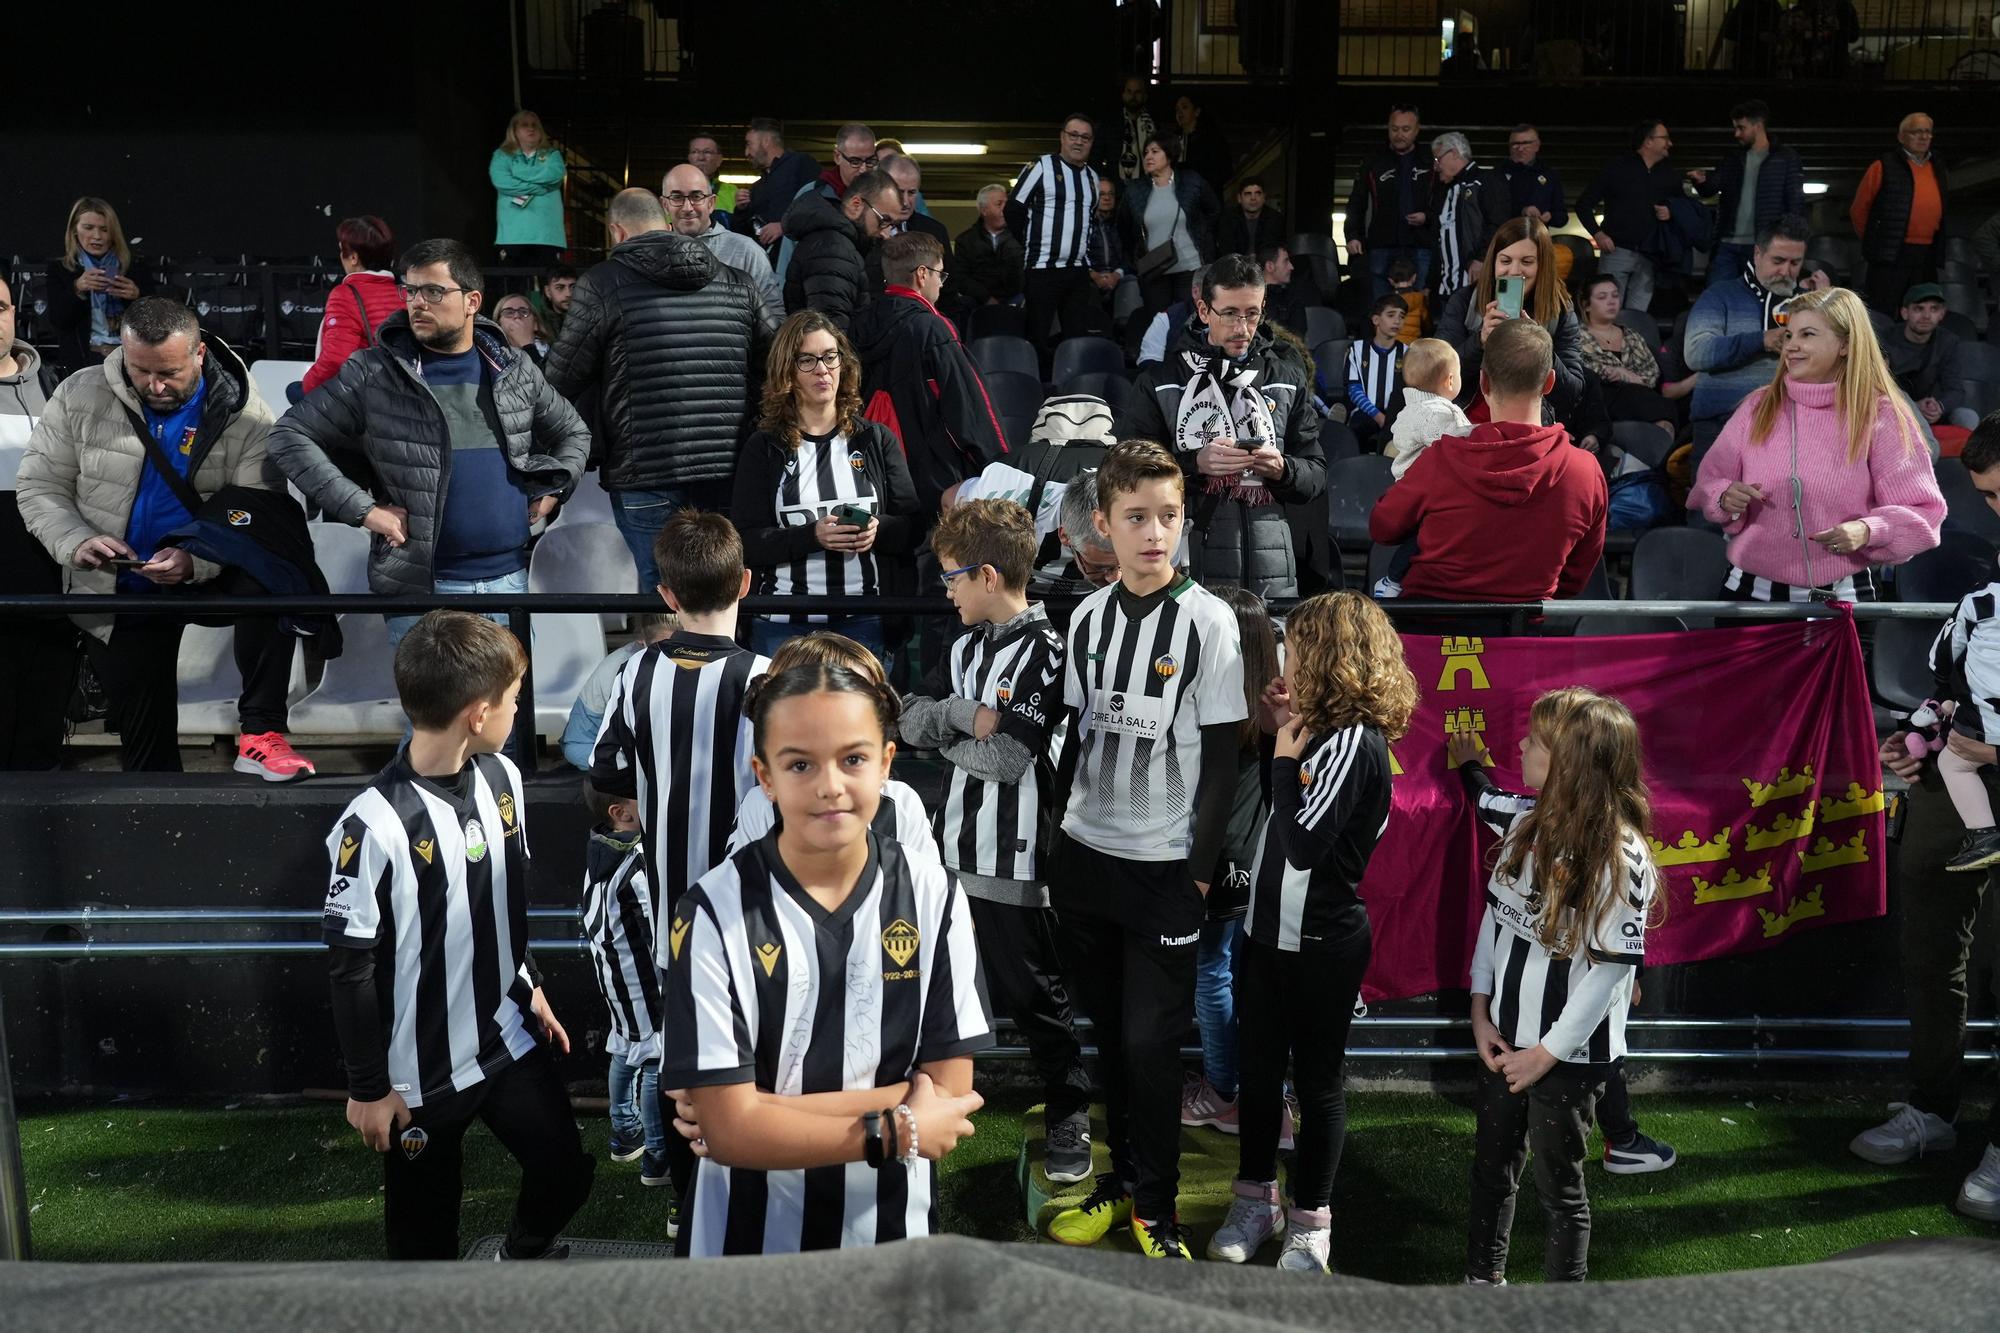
(1899, 214)
(661, 352)
(690, 200)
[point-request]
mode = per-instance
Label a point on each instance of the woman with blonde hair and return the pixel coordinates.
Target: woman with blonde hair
(527, 170)
(820, 490)
(91, 283)
(1824, 474)
(1521, 248)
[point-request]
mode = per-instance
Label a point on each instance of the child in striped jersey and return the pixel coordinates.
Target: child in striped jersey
(1567, 907)
(989, 709)
(1346, 693)
(617, 915)
(824, 1000)
(901, 816)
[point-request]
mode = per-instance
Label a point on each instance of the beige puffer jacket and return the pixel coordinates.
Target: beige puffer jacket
(81, 473)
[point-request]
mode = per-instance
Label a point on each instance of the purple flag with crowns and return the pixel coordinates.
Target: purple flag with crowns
(1760, 758)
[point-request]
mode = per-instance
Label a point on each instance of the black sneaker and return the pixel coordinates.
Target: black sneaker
(553, 1252)
(1979, 851)
(653, 1169)
(1066, 1149)
(625, 1150)
(1637, 1157)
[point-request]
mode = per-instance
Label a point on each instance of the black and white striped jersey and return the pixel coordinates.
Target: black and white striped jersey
(1451, 263)
(1060, 201)
(823, 473)
(900, 817)
(433, 875)
(674, 738)
(617, 913)
(768, 987)
(1965, 657)
(1329, 808)
(987, 827)
(1145, 675)
(1377, 372)
(1575, 1006)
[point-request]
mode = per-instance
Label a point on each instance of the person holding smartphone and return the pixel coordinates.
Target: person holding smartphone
(1517, 279)
(821, 491)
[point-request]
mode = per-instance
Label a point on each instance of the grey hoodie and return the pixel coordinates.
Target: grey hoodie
(21, 392)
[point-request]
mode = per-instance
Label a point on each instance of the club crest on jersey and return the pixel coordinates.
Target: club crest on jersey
(676, 936)
(1165, 667)
(425, 848)
(506, 804)
(415, 1141)
(475, 841)
(900, 941)
(1004, 691)
(187, 442)
(1305, 778)
(239, 518)
(767, 954)
(348, 845)
(856, 461)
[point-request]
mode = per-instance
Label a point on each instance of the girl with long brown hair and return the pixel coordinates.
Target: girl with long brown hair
(1521, 248)
(1571, 895)
(1347, 694)
(809, 476)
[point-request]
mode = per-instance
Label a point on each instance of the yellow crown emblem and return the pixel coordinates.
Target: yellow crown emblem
(1777, 923)
(1825, 854)
(1787, 784)
(899, 941)
(1732, 886)
(1691, 850)
(1856, 800)
(1783, 829)
(767, 954)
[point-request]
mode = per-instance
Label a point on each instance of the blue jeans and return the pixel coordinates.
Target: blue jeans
(1378, 267)
(1215, 1001)
(635, 1104)
(641, 514)
(515, 582)
(767, 635)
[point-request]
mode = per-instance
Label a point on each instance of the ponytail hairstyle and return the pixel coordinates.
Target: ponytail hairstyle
(1594, 794)
(817, 677)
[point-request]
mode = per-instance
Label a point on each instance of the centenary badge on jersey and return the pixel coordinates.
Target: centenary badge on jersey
(425, 848)
(856, 461)
(348, 846)
(899, 941)
(1165, 667)
(415, 1141)
(239, 518)
(506, 804)
(676, 936)
(767, 954)
(475, 841)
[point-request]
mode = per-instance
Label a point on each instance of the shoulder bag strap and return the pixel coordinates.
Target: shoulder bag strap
(157, 456)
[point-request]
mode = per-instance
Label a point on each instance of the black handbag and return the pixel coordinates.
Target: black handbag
(1161, 257)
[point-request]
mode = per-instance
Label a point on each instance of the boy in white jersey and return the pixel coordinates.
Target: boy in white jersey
(1154, 679)
(990, 710)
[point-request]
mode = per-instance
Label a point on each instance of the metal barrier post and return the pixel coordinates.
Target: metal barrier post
(13, 1181)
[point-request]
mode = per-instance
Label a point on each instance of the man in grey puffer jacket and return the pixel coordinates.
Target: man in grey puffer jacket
(1234, 404)
(459, 441)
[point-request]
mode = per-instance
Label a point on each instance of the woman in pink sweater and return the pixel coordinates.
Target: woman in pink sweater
(1823, 474)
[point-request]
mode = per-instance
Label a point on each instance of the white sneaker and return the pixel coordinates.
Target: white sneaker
(1979, 1196)
(1309, 1244)
(1904, 1136)
(1254, 1217)
(1288, 1122)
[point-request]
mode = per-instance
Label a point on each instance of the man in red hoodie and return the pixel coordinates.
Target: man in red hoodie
(1510, 513)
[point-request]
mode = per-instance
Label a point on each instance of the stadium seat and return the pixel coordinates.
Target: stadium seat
(1956, 272)
(1960, 562)
(1967, 300)
(1956, 322)
(1113, 389)
(1016, 397)
(1979, 361)
(1353, 485)
(1958, 250)
(1323, 325)
(576, 558)
(1965, 508)
(356, 696)
(997, 321)
(589, 503)
(1900, 667)
(272, 377)
(1679, 565)
(1839, 254)
(1644, 325)
(1008, 353)
(567, 648)
(1087, 356)
(1317, 255)
(209, 683)
(1338, 441)
(1981, 395)
(1330, 365)
(1643, 441)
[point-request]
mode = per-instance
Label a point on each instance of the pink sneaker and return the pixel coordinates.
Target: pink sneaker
(271, 757)
(1201, 1104)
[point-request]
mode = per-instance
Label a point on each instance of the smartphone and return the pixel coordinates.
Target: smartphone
(120, 562)
(1511, 289)
(854, 514)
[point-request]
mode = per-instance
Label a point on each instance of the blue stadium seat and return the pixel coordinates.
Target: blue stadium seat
(1005, 353)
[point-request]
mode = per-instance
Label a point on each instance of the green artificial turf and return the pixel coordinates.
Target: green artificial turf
(1764, 1180)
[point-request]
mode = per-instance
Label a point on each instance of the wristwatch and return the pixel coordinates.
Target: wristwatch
(873, 1150)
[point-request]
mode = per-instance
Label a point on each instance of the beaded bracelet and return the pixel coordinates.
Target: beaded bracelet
(909, 1118)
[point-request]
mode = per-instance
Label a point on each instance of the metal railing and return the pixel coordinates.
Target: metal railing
(600, 40)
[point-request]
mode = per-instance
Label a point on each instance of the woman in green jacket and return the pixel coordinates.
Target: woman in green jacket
(527, 170)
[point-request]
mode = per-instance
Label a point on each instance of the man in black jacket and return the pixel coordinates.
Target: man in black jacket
(1251, 227)
(1632, 191)
(829, 270)
(987, 255)
(761, 212)
(916, 377)
(667, 343)
(1757, 184)
(1470, 203)
(1387, 212)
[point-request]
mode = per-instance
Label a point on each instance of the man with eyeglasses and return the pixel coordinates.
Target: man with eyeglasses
(1534, 190)
(1052, 209)
(1899, 212)
(829, 270)
(690, 201)
(853, 154)
(465, 444)
(662, 348)
(1632, 193)
(762, 214)
(1085, 560)
(917, 377)
(1470, 203)
(1234, 403)
(705, 156)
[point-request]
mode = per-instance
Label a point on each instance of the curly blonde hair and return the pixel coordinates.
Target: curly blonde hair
(778, 414)
(1347, 666)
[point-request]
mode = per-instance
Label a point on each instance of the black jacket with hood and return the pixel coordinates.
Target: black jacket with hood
(664, 348)
(918, 381)
(827, 272)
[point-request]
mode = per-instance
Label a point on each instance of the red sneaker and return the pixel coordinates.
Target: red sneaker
(271, 757)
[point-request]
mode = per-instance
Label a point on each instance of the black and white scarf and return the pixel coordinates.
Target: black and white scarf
(1767, 298)
(1222, 402)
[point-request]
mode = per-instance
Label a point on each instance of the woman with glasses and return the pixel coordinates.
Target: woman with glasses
(361, 303)
(527, 170)
(516, 317)
(1824, 475)
(1166, 222)
(821, 494)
